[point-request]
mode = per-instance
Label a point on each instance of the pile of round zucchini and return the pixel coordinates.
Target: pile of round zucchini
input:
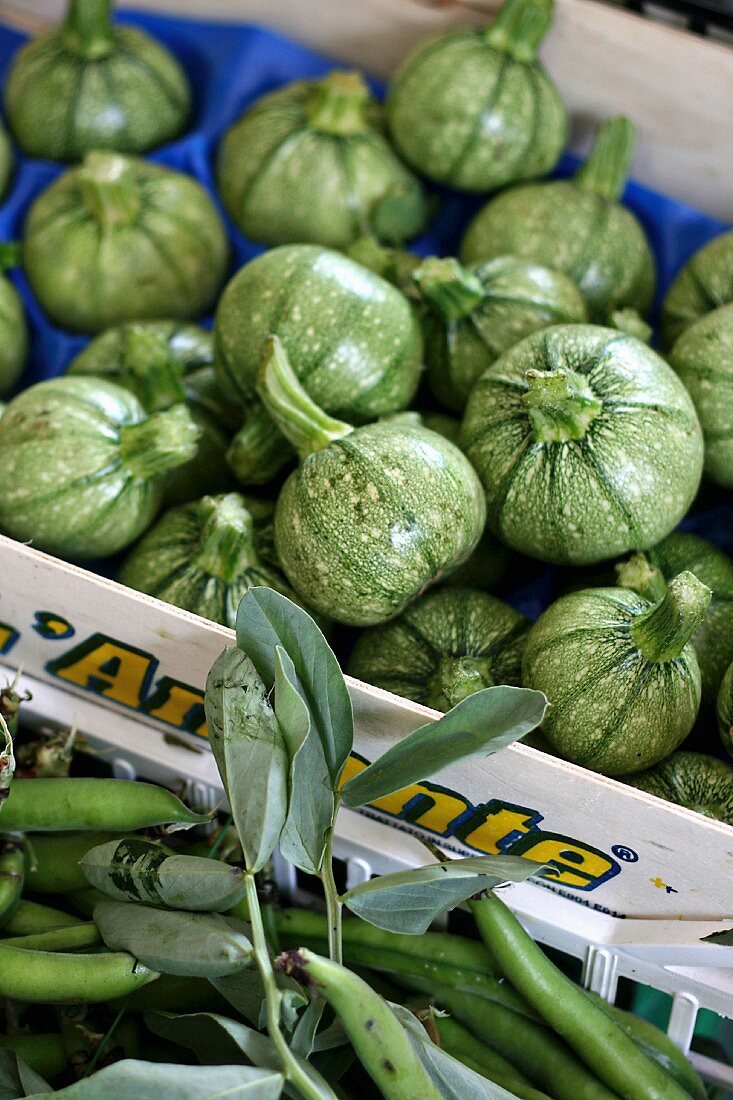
(339, 363)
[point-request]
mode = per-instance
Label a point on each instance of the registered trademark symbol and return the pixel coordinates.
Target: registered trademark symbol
(624, 853)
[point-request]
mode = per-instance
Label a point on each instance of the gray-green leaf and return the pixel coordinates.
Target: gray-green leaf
(409, 901)
(247, 743)
(312, 798)
(723, 939)
(267, 619)
(202, 945)
(135, 869)
(134, 1080)
(213, 1038)
(454, 1080)
(17, 1078)
(478, 726)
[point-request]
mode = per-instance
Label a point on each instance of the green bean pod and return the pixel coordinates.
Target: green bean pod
(594, 1035)
(31, 918)
(532, 1048)
(11, 876)
(60, 805)
(42, 977)
(52, 860)
(376, 1035)
(74, 938)
(43, 1053)
(458, 1041)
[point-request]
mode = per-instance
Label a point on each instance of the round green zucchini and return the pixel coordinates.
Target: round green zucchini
(164, 363)
(724, 710)
(693, 780)
(620, 673)
(84, 465)
(91, 85)
(587, 444)
(475, 314)
(354, 341)
(14, 339)
(443, 648)
(474, 108)
(703, 358)
(373, 515)
(6, 160)
(705, 283)
(648, 575)
(202, 557)
(121, 239)
(576, 226)
(309, 163)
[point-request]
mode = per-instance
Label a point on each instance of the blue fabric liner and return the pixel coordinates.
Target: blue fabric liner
(230, 66)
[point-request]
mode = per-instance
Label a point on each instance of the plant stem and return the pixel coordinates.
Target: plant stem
(333, 904)
(560, 405)
(109, 189)
(519, 27)
(663, 632)
(608, 162)
(449, 287)
(88, 30)
(105, 1042)
(338, 105)
(273, 997)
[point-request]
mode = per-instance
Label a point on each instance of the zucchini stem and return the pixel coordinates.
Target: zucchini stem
(641, 576)
(159, 443)
(88, 30)
(455, 679)
(449, 287)
(307, 426)
(338, 104)
(519, 27)
(663, 632)
(227, 537)
(151, 370)
(108, 189)
(560, 405)
(258, 451)
(607, 166)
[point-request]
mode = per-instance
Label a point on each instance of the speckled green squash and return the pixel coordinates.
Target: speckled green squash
(120, 239)
(309, 163)
(13, 325)
(83, 465)
(620, 673)
(92, 85)
(714, 640)
(373, 515)
(478, 313)
(694, 780)
(164, 363)
(703, 358)
(724, 708)
(705, 283)
(6, 160)
(474, 108)
(353, 339)
(576, 226)
(587, 444)
(443, 648)
(202, 557)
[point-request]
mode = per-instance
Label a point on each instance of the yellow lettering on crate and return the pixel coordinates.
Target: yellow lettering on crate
(178, 705)
(573, 863)
(432, 807)
(106, 667)
(495, 826)
(8, 637)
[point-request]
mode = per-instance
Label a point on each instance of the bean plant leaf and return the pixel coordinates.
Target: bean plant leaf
(409, 901)
(248, 745)
(134, 1080)
(7, 761)
(267, 619)
(201, 945)
(480, 725)
(136, 869)
(214, 1039)
(312, 798)
(304, 1035)
(18, 1079)
(723, 939)
(246, 993)
(453, 1080)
